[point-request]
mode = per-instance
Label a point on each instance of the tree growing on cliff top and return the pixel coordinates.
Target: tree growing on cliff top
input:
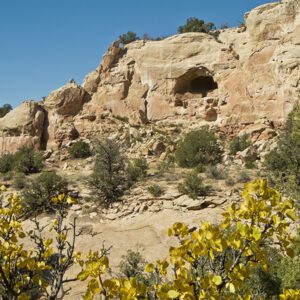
(5, 109)
(196, 25)
(128, 37)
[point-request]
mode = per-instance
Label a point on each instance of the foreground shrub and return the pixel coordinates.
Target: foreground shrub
(199, 147)
(108, 179)
(38, 273)
(209, 262)
(28, 161)
(6, 163)
(212, 261)
(137, 170)
(80, 149)
(193, 186)
(239, 143)
(155, 190)
(284, 161)
(133, 265)
(37, 195)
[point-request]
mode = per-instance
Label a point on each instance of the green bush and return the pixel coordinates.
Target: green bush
(284, 161)
(215, 172)
(108, 179)
(128, 37)
(132, 265)
(196, 25)
(6, 163)
(193, 186)
(165, 165)
(19, 182)
(37, 195)
(243, 177)
(239, 143)
(155, 190)
(230, 181)
(137, 170)
(5, 109)
(80, 149)
(198, 147)
(27, 161)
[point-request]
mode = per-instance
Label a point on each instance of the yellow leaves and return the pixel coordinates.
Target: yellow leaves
(172, 294)
(230, 287)
(162, 267)
(92, 290)
(149, 268)
(3, 188)
(71, 200)
(179, 229)
(217, 280)
(291, 214)
(290, 294)
(256, 234)
(63, 199)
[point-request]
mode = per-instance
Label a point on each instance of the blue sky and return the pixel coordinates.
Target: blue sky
(44, 43)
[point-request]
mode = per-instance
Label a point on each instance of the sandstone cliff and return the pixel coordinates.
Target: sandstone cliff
(242, 76)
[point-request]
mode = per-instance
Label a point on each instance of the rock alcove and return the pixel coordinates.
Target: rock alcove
(195, 83)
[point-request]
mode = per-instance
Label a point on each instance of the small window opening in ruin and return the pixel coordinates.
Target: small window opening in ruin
(195, 81)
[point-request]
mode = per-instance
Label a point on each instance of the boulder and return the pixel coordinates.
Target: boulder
(67, 100)
(23, 126)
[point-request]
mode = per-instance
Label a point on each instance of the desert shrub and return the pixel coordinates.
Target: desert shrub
(196, 25)
(133, 265)
(20, 181)
(108, 179)
(250, 165)
(128, 37)
(5, 109)
(198, 147)
(243, 177)
(193, 186)
(38, 271)
(284, 161)
(27, 161)
(155, 190)
(165, 165)
(215, 172)
(239, 143)
(38, 194)
(6, 163)
(289, 268)
(230, 181)
(137, 169)
(80, 149)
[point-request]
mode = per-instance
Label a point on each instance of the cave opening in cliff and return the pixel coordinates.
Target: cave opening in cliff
(195, 81)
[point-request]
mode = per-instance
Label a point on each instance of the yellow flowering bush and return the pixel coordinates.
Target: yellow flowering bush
(210, 262)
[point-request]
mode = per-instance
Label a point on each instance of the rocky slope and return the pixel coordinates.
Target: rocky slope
(244, 76)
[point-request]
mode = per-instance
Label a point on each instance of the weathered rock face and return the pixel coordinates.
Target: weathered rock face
(68, 100)
(240, 77)
(62, 105)
(22, 126)
(237, 78)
